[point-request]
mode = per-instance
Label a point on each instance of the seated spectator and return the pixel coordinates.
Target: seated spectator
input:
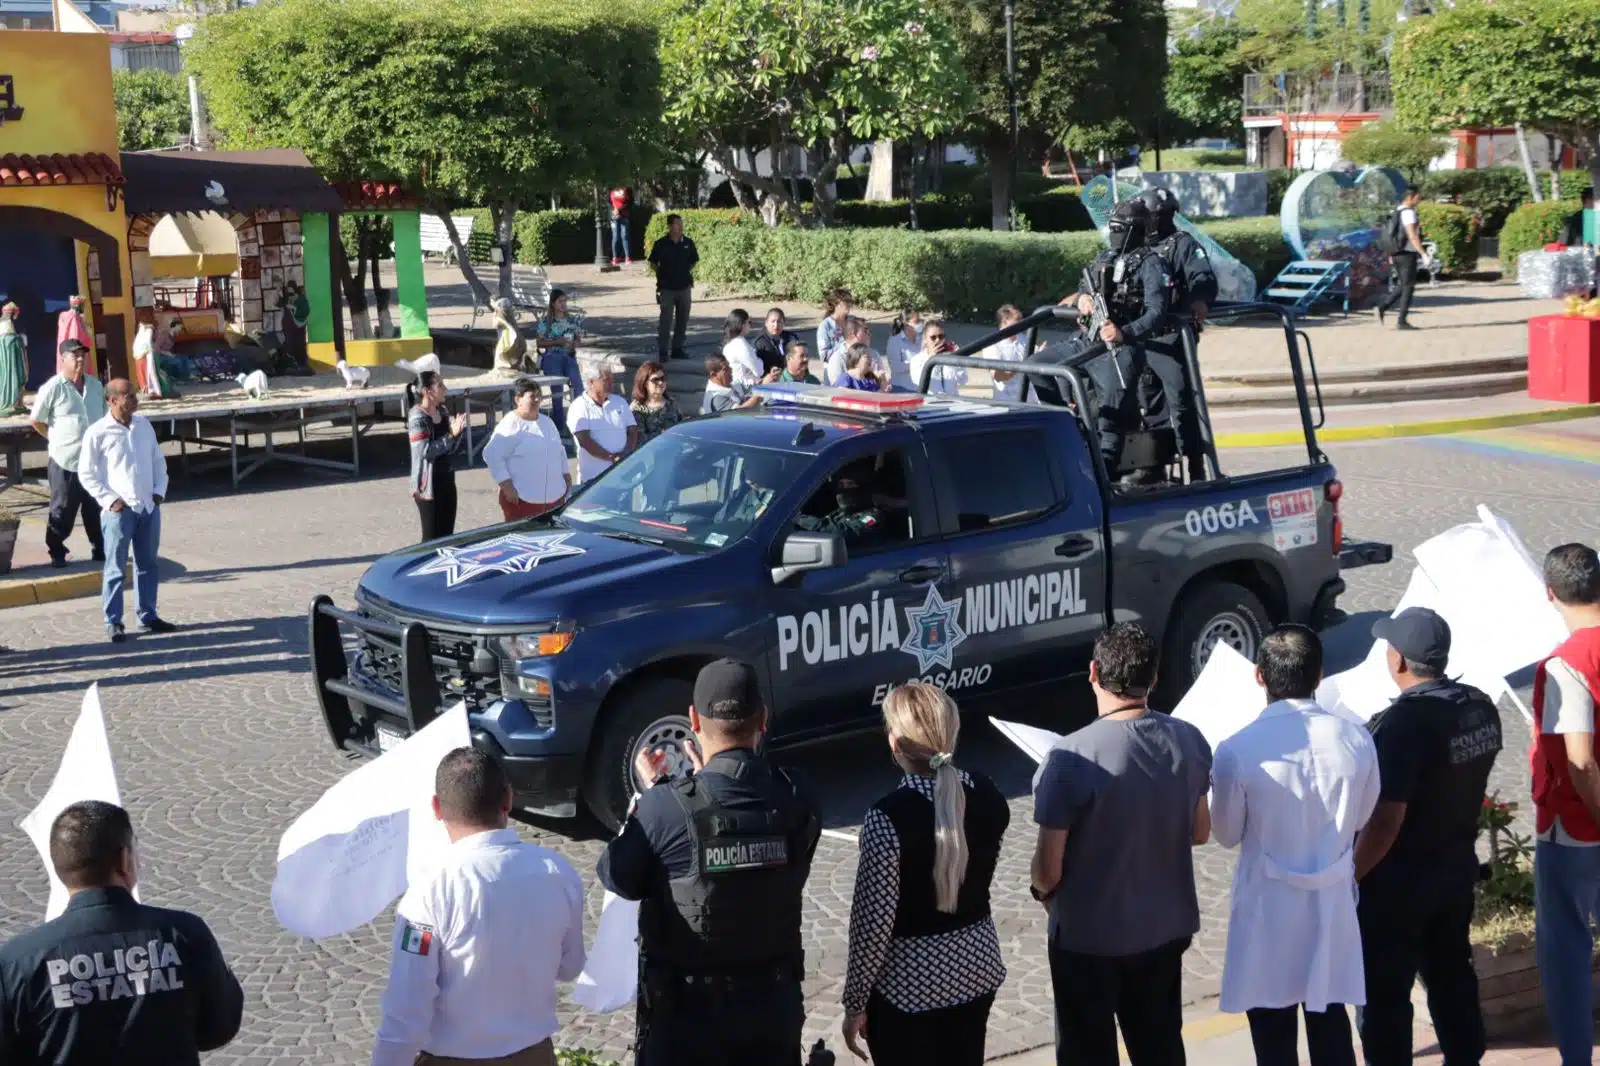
(556, 336)
(904, 342)
(773, 341)
(946, 380)
(859, 372)
(856, 332)
(830, 333)
(737, 350)
(1008, 386)
(797, 364)
(654, 409)
(721, 392)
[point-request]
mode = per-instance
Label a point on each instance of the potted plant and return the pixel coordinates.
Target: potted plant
(9, 522)
(1503, 928)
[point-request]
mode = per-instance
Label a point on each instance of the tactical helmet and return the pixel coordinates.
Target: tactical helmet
(1129, 225)
(1162, 205)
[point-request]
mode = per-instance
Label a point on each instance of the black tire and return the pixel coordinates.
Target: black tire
(1213, 611)
(608, 783)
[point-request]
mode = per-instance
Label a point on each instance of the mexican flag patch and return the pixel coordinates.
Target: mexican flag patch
(416, 939)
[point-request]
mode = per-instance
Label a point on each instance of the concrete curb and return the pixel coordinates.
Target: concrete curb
(24, 592)
(1276, 438)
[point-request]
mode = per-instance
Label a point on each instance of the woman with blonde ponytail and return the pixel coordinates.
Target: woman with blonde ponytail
(924, 956)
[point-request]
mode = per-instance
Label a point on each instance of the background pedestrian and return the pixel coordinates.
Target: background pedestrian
(722, 393)
(435, 438)
(1417, 860)
(774, 340)
(63, 410)
(739, 352)
(602, 424)
(621, 209)
(925, 959)
(557, 336)
(1120, 804)
(1566, 799)
(122, 469)
(945, 380)
(1007, 384)
(112, 980)
(673, 257)
(797, 364)
(860, 373)
(526, 458)
(480, 946)
(1290, 790)
(654, 409)
(1405, 254)
(830, 331)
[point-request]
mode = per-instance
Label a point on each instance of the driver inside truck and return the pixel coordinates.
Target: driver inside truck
(856, 516)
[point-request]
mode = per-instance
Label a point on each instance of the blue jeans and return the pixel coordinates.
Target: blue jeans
(142, 532)
(1566, 888)
(619, 239)
(559, 362)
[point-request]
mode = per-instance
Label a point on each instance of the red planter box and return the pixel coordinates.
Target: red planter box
(1564, 358)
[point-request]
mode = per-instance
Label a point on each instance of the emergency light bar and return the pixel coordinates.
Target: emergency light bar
(800, 394)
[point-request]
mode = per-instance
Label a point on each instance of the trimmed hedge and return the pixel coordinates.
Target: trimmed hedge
(1531, 227)
(1059, 211)
(1455, 229)
(1492, 193)
(566, 235)
(967, 273)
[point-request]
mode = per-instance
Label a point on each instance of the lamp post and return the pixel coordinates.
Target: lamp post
(601, 263)
(1011, 108)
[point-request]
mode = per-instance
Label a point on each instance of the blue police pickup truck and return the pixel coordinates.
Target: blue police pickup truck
(843, 542)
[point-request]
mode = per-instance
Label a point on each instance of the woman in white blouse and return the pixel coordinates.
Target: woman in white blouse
(739, 352)
(946, 380)
(527, 459)
(904, 342)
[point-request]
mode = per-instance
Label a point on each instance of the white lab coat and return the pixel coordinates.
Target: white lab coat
(1290, 790)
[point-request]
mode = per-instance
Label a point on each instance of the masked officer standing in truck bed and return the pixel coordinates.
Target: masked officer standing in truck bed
(718, 861)
(112, 982)
(1194, 290)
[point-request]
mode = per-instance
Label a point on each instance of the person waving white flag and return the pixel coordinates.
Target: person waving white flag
(369, 836)
(86, 773)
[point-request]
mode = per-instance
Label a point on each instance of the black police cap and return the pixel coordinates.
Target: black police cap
(727, 690)
(1419, 634)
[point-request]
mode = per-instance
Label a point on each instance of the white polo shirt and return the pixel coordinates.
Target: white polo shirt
(607, 424)
(117, 462)
(68, 414)
(745, 363)
(531, 454)
(478, 950)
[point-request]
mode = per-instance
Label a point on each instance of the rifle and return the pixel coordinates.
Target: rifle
(1098, 279)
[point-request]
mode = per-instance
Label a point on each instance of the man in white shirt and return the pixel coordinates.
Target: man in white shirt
(602, 424)
(526, 457)
(1007, 384)
(480, 946)
(1406, 254)
(121, 466)
(63, 410)
(1290, 790)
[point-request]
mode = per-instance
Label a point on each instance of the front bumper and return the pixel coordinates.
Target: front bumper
(353, 712)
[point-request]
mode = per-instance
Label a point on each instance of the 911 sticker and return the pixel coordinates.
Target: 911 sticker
(1294, 518)
(1221, 518)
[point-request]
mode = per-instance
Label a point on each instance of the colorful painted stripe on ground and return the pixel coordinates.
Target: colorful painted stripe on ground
(1564, 446)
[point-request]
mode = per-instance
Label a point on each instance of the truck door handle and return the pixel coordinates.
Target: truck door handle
(917, 575)
(1074, 547)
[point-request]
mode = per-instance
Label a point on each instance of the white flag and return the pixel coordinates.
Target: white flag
(1224, 698)
(86, 773)
(369, 836)
(1034, 742)
(611, 975)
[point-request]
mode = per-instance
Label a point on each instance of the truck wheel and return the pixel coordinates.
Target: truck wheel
(655, 712)
(1218, 612)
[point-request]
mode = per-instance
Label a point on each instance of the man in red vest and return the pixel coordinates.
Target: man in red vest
(1566, 799)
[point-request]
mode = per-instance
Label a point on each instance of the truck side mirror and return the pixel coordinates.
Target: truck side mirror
(802, 552)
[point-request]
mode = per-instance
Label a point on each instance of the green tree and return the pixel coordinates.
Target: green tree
(1083, 67)
(743, 76)
(465, 104)
(152, 109)
(1275, 38)
(1205, 76)
(1536, 62)
(1390, 144)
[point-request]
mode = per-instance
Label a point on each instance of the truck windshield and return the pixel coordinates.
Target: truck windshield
(679, 489)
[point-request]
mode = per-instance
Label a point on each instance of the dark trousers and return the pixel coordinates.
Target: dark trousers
(1172, 381)
(439, 514)
(674, 321)
(952, 1036)
(722, 1023)
(67, 496)
(1275, 1032)
(1141, 993)
(1410, 931)
(1402, 283)
(1116, 390)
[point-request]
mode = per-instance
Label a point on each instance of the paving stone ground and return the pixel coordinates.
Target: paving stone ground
(219, 745)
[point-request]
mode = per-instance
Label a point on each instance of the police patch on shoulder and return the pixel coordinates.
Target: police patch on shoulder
(416, 939)
(745, 853)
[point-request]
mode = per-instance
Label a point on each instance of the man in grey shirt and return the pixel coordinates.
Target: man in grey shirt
(1120, 804)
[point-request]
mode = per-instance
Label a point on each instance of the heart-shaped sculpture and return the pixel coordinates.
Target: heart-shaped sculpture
(1337, 215)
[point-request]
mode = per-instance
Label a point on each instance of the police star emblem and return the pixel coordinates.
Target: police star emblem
(935, 631)
(513, 553)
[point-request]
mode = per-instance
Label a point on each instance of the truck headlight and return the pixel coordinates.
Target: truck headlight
(535, 645)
